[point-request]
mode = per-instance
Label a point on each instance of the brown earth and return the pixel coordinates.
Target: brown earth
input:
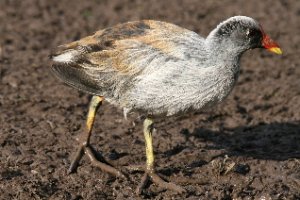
(246, 148)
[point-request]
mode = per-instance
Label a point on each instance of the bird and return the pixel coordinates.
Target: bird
(156, 69)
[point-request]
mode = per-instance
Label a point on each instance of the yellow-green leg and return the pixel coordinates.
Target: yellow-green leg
(84, 142)
(148, 128)
(150, 172)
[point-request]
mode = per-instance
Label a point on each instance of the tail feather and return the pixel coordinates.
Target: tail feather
(76, 77)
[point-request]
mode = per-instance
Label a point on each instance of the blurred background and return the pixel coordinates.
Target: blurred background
(255, 131)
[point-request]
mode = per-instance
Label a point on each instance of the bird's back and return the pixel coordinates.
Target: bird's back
(108, 62)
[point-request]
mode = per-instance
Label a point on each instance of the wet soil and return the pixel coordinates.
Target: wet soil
(245, 148)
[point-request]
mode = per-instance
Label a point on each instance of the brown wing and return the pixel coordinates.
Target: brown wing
(101, 63)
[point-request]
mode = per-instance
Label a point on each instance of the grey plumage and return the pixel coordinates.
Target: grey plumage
(156, 68)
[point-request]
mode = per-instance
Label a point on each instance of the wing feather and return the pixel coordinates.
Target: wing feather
(109, 59)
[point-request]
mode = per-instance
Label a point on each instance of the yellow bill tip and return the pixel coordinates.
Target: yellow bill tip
(276, 50)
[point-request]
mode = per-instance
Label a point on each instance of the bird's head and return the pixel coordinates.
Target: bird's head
(241, 33)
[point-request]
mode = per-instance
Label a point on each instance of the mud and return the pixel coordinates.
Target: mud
(246, 148)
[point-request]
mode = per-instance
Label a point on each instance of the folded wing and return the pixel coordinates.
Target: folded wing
(109, 60)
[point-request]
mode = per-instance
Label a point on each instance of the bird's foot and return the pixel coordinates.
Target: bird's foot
(150, 174)
(86, 149)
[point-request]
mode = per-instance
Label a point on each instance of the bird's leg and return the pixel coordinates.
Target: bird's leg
(149, 171)
(84, 142)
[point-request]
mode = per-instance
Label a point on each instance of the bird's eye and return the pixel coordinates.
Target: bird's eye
(252, 32)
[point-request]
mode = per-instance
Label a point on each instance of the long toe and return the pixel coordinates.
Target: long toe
(74, 164)
(103, 166)
(151, 175)
(167, 185)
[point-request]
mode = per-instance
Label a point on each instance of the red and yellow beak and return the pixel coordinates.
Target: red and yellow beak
(270, 45)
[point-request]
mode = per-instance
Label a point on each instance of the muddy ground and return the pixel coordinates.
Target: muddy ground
(246, 148)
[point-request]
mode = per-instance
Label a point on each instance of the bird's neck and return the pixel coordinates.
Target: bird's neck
(224, 47)
(223, 52)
